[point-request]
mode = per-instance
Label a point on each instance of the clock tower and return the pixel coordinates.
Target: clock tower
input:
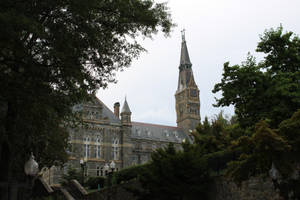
(187, 93)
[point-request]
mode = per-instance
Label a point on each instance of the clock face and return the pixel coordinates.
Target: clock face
(193, 93)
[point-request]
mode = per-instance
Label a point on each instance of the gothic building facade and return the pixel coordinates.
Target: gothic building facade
(108, 136)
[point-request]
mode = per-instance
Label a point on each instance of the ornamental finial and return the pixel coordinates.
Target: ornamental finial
(183, 35)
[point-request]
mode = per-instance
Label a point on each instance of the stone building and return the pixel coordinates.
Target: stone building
(111, 135)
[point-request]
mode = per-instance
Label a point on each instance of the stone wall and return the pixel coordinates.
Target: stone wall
(257, 188)
(120, 192)
(222, 189)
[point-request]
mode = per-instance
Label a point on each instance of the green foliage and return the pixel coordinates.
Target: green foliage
(55, 54)
(268, 90)
(243, 87)
(175, 175)
(72, 173)
(93, 182)
(130, 173)
(290, 130)
(266, 97)
(220, 148)
(259, 151)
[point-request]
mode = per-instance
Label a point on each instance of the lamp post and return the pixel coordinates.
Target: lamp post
(31, 169)
(109, 169)
(106, 168)
(83, 164)
(112, 166)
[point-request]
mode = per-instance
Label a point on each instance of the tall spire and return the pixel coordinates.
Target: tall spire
(184, 56)
(185, 67)
(187, 93)
(125, 108)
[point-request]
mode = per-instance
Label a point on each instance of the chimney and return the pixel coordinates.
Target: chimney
(117, 109)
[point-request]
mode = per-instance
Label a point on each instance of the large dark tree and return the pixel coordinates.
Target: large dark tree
(268, 90)
(53, 54)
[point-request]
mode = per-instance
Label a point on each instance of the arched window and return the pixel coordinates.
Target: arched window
(98, 147)
(86, 147)
(98, 151)
(115, 149)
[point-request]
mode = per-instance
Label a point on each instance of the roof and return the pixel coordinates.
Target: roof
(185, 67)
(125, 108)
(184, 56)
(157, 132)
(106, 112)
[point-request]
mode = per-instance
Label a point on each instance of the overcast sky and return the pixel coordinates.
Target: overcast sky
(217, 31)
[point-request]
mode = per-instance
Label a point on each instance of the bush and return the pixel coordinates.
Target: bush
(93, 182)
(71, 174)
(129, 173)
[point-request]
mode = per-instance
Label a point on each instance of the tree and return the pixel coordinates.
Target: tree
(54, 54)
(259, 151)
(267, 90)
(72, 173)
(175, 175)
(268, 148)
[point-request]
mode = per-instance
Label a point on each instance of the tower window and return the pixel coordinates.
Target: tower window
(193, 93)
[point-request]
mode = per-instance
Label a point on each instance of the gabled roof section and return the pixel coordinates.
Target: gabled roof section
(96, 111)
(157, 132)
(125, 108)
(106, 112)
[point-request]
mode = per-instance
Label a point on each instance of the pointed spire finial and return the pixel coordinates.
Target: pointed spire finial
(184, 56)
(183, 35)
(125, 108)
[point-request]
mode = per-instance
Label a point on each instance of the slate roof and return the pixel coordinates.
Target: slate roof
(157, 132)
(184, 56)
(106, 112)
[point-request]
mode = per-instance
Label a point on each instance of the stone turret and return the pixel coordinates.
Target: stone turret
(126, 114)
(126, 136)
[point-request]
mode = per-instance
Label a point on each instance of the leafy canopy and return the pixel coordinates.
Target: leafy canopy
(53, 54)
(267, 90)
